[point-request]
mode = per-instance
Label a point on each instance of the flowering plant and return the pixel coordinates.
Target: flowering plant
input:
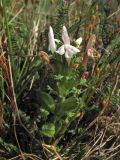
(66, 48)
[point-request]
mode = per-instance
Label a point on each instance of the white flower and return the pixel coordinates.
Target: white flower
(52, 45)
(65, 37)
(66, 48)
(79, 41)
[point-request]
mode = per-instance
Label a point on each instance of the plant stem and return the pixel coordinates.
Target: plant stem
(8, 33)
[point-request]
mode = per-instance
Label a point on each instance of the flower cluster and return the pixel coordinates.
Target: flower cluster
(66, 49)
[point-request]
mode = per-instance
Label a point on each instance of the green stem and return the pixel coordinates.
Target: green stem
(22, 71)
(8, 33)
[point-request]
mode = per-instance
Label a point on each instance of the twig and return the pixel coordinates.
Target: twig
(51, 149)
(113, 14)
(16, 15)
(27, 155)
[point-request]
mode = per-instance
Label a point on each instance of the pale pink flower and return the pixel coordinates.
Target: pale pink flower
(66, 48)
(52, 45)
(65, 37)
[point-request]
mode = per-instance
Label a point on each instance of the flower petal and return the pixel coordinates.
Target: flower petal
(57, 40)
(74, 49)
(79, 41)
(67, 55)
(52, 45)
(71, 50)
(61, 50)
(65, 37)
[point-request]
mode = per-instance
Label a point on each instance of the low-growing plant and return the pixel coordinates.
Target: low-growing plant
(52, 91)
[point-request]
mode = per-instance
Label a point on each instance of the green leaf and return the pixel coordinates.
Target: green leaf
(83, 82)
(59, 67)
(44, 113)
(68, 105)
(58, 126)
(46, 101)
(48, 129)
(36, 62)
